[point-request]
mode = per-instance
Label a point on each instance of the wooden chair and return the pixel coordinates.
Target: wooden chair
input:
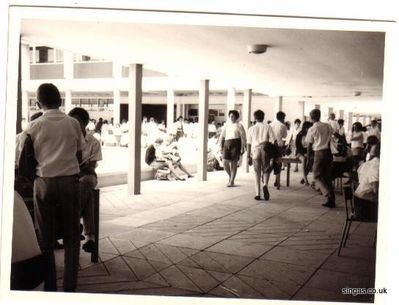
(351, 217)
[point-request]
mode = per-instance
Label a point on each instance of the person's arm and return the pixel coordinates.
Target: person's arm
(243, 138)
(222, 138)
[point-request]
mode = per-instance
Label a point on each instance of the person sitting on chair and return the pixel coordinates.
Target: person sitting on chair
(366, 194)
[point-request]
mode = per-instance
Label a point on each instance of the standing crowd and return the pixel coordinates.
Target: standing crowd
(57, 155)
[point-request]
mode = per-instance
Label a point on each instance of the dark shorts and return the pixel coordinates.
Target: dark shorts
(232, 150)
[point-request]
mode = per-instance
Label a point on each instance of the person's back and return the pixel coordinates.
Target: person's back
(57, 142)
(321, 134)
(56, 139)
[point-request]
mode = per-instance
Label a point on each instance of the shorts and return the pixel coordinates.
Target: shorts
(232, 150)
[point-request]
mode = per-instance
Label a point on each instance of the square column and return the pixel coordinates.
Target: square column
(246, 121)
(317, 106)
(117, 107)
(68, 101)
(170, 109)
(25, 75)
(330, 110)
(278, 105)
(350, 121)
(135, 110)
(203, 110)
(301, 110)
(341, 114)
(231, 100)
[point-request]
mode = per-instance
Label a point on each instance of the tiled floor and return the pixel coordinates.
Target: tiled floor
(196, 238)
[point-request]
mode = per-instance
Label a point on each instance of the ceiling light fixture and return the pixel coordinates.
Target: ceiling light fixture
(257, 48)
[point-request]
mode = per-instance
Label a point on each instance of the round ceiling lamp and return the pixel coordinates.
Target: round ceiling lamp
(257, 48)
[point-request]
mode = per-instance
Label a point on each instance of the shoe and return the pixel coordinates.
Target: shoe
(302, 181)
(266, 193)
(82, 237)
(295, 170)
(329, 204)
(257, 197)
(58, 245)
(89, 246)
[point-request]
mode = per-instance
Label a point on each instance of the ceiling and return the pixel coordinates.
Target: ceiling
(325, 63)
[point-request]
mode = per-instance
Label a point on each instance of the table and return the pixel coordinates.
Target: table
(287, 161)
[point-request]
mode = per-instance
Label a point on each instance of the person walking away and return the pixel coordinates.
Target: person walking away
(258, 136)
(232, 142)
(292, 134)
(301, 152)
(318, 139)
(280, 133)
(57, 143)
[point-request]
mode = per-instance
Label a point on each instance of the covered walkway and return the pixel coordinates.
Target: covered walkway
(196, 238)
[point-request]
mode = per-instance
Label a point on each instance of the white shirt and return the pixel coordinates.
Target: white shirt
(368, 174)
(334, 124)
(260, 133)
(374, 132)
(232, 131)
(91, 150)
(319, 135)
(279, 131)
(357, 143)
(292, 133)
(56, 140)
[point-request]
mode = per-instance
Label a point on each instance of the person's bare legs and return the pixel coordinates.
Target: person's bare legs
(305, 172)
(234, 165)
(173, 170)
(184, 170)
(226, 165)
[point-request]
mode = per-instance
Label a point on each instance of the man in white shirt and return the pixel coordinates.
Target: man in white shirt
(258, 136)
(318, 139)
(280, 133)
(333, 122)
(374, 130)
(57, 142)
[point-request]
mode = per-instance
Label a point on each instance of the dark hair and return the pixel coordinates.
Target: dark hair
(280, 115)
(259, 115)
(341, 121)
(48, 95)
(315, 115)
(36, 115)
(297, 121)
(81, 114)
(306, 125)
(357, 126)
(180, 117)
(235, 113)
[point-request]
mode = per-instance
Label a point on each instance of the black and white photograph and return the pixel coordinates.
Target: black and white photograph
(177, 155)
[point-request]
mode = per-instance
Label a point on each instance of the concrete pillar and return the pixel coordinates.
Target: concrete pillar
(231, 100)
(25, 75)
(25, 105)
(55, 55)
(246, 121)
(68, 101)
(178, 109)
(68, 65)
(33, 54)
(117, 75)
(170, 109)
(330, 110)
(183, 110)
(350, 121)
(203, 111)
(341, 114)
(301, 107)
(357, 117)
(364, 120)
(135, 110)
(117, 107)
(278, 105)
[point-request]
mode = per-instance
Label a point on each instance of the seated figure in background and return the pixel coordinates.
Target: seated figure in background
(366, 193)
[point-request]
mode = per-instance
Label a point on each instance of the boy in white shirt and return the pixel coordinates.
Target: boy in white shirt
(318, 139)
(57, 143)
(91, 154)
